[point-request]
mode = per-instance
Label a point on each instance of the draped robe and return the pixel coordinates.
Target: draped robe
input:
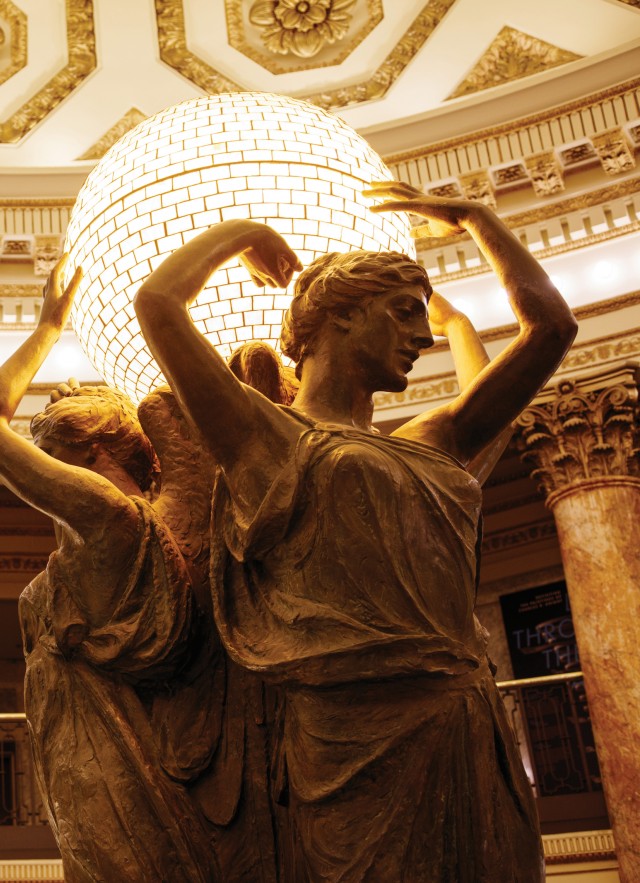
(352, 587)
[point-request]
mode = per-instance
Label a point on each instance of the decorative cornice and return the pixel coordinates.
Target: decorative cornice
(547, 211)
(81, 51)
(511, 56)
(579, 846)
(583, 429)
(542, 253)
(131, 118)
(10, 290)
(492, 589)
(522, 535)
(22, 562)
(17, 21)
(37, 201)
(513, 125)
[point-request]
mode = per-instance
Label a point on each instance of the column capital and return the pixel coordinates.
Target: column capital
(583, 429)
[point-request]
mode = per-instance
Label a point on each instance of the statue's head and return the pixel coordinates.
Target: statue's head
(98, 415)
(336, 283)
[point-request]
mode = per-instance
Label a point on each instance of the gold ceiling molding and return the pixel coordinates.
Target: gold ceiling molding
(172, 42)
(380, 81)
(239, 39)
(81, 50)
(511, 56)
(131, 118)
(15, 22)
(493, 132)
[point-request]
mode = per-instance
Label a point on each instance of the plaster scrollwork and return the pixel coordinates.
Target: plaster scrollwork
(587, 429)
(301, 27)
(477, 185)
(82, 60)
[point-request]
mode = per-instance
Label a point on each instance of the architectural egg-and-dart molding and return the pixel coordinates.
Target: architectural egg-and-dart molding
(292, 35)
(13, 40)
(174, 51)
(82, 60)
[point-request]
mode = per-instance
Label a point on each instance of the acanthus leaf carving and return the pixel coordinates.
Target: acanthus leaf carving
(587, 429)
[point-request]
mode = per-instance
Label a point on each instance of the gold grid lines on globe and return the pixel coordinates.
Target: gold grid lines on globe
(263, 157)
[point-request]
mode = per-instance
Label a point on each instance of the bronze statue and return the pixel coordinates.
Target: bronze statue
(345, 562)
(150, 745)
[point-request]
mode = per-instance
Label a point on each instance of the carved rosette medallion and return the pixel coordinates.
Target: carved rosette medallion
(301, 27)
(587, 429)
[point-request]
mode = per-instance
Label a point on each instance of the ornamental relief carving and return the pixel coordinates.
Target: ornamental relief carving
(301, 27)
(589, 429)
(81, 47)
(511, 56)
(172, 41)
(284, 36)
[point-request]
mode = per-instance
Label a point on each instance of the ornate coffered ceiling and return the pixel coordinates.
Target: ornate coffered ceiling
(419, 72)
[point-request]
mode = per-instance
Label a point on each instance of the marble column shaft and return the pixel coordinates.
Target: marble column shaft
(582, 439)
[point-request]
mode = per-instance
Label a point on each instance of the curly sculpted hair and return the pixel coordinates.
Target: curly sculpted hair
(98, 414)
(335, 282)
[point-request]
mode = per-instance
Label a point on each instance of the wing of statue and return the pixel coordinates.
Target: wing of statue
(186, 479)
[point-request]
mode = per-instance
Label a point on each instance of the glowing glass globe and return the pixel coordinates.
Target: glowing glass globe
(265, 157)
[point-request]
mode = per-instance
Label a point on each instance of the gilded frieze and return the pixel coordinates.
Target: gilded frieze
(13, 40)
(81, 49)
(511, 56)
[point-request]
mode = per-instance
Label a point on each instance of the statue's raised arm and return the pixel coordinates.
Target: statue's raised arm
(547, 327)
(238, 424)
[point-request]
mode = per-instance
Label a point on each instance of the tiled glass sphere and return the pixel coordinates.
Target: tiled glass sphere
(265, 157)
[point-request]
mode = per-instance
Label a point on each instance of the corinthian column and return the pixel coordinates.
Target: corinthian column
(582, 439)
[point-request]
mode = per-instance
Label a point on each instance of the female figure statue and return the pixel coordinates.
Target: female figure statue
(347, 561)
(149, 744)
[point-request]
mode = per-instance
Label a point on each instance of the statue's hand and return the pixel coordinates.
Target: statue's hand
(445, 217)
(63, 390)
(269, 259)
(442, 315)
(57, 303)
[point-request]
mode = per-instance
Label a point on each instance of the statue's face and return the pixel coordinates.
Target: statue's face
(388, 334)
(73, 455)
